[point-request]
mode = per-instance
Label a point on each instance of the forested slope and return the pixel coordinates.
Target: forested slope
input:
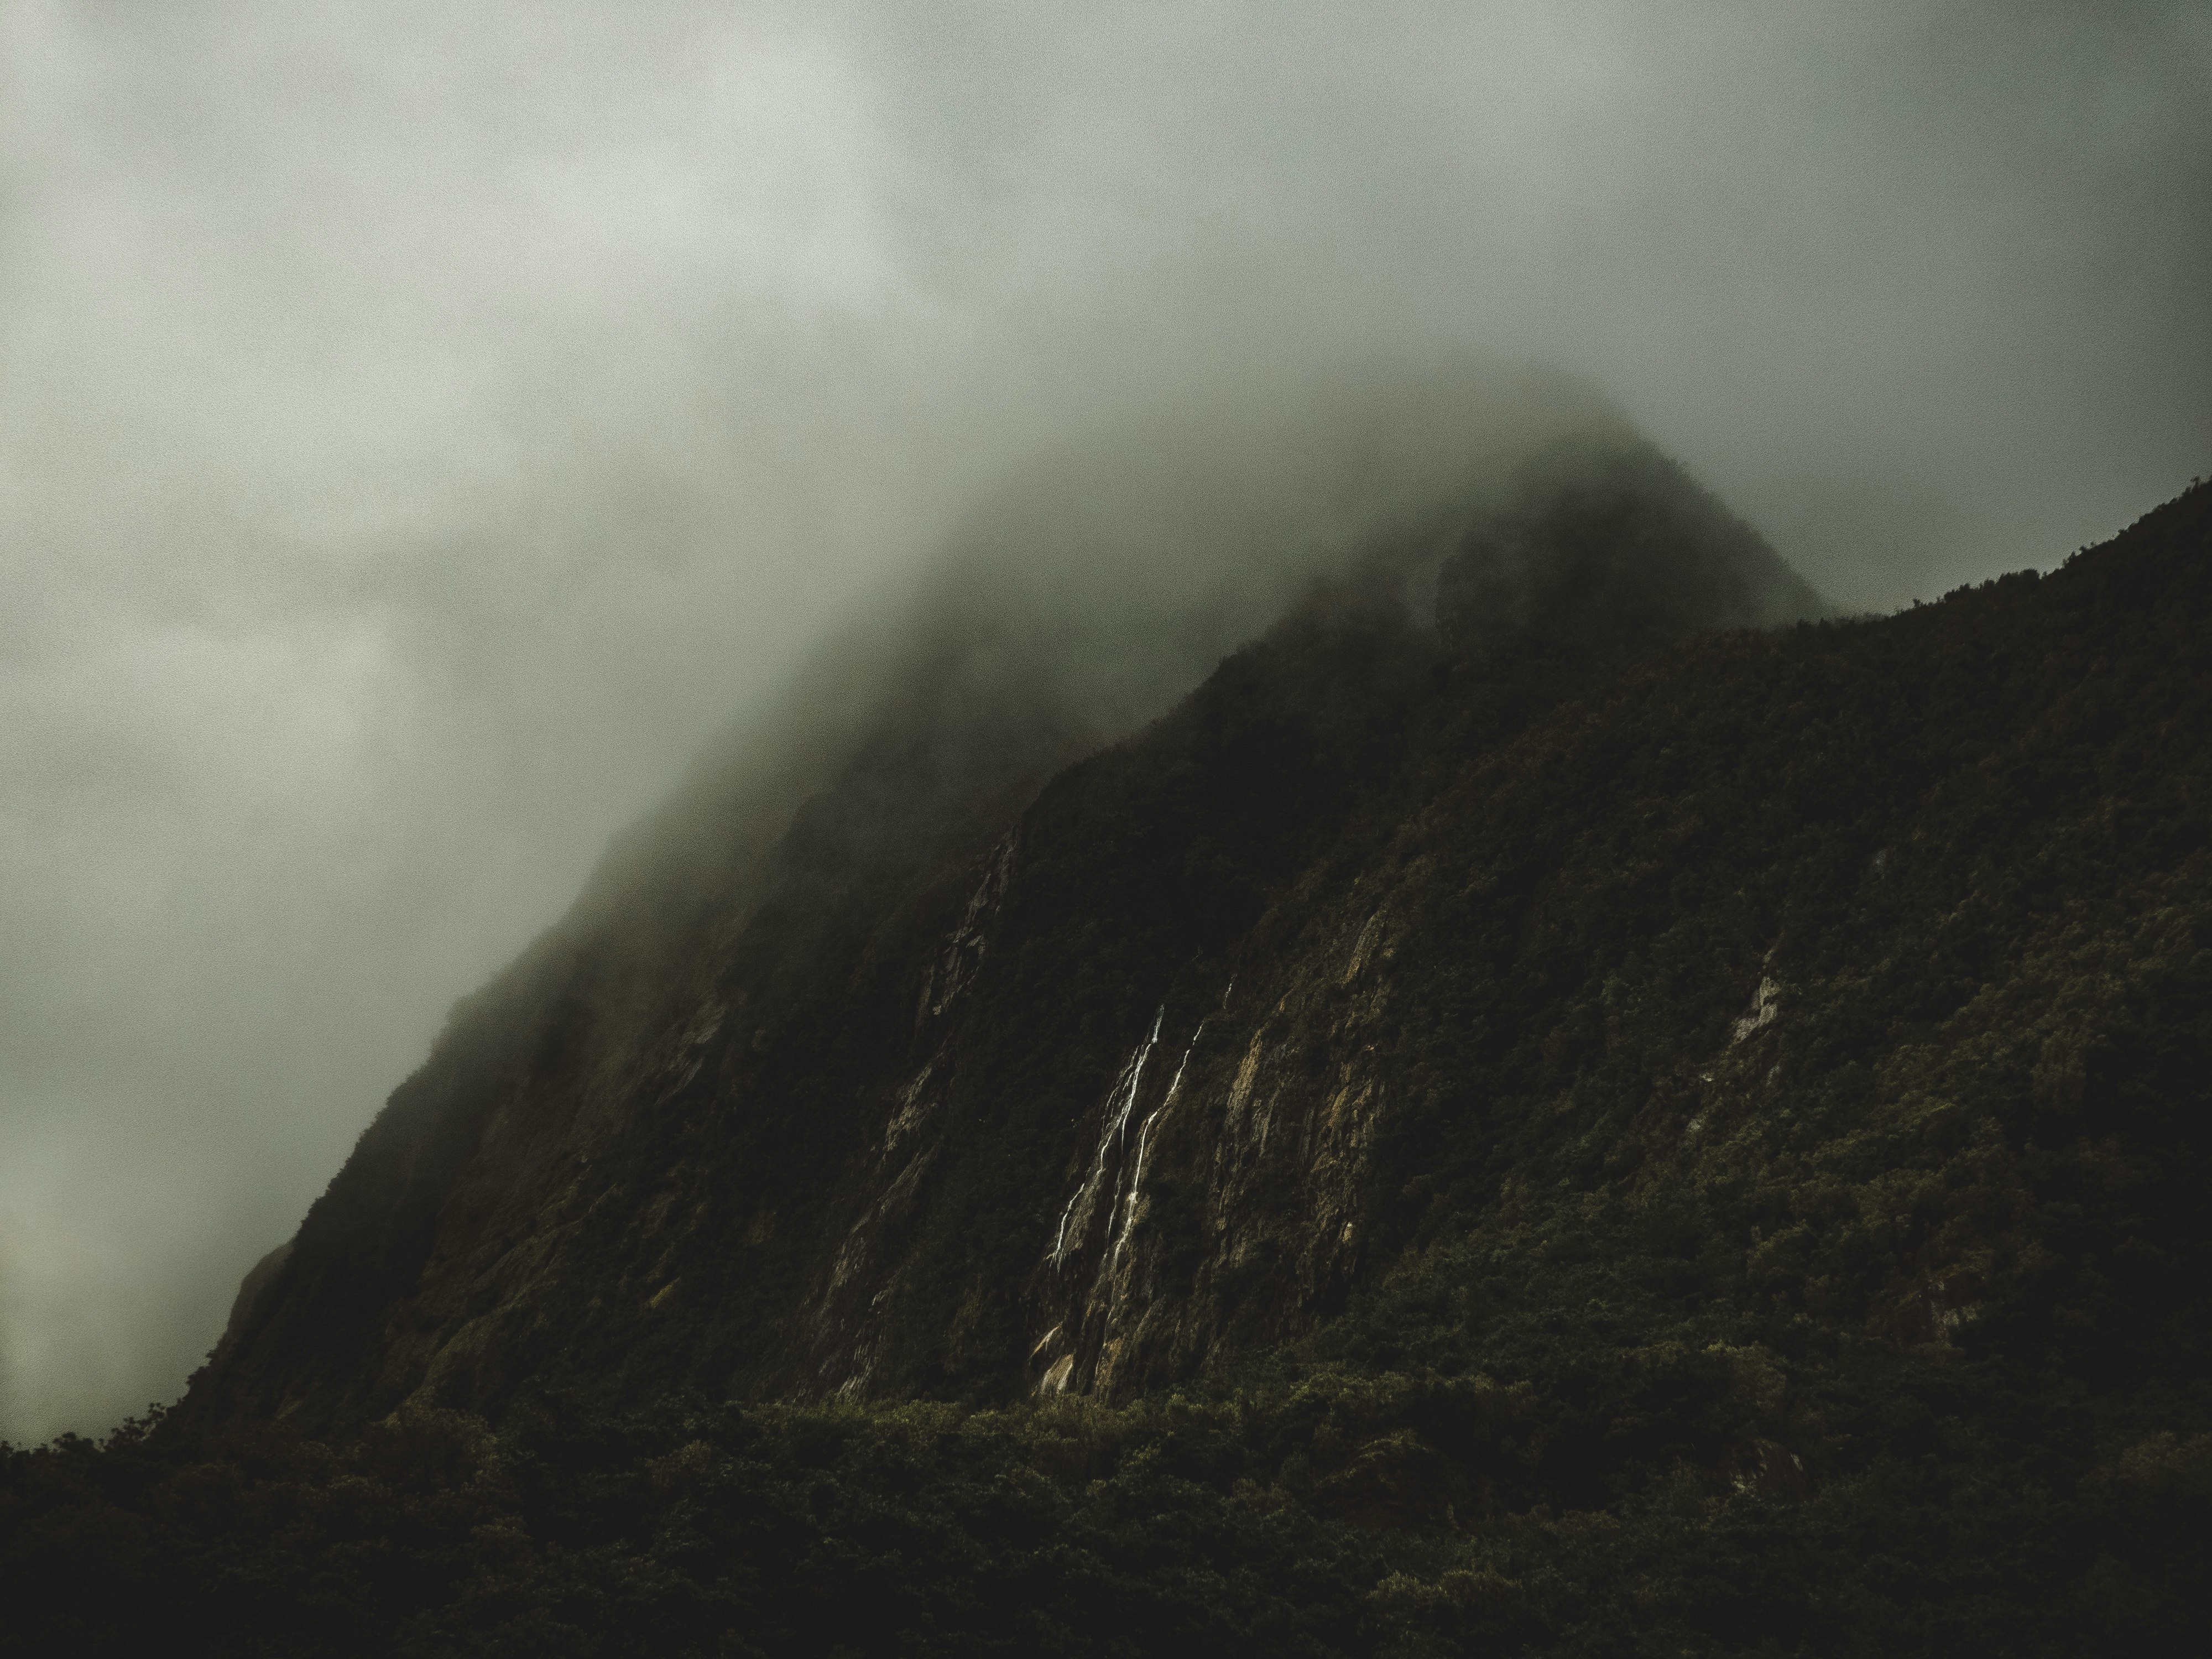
(1549, 1128)
(816, 1125)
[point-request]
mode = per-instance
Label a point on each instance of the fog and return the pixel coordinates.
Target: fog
(421, 426)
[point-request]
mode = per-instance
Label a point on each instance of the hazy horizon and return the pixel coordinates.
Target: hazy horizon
(421, 427)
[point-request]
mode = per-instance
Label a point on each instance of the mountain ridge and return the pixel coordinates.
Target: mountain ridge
(1349, 654)
(1582, 1137)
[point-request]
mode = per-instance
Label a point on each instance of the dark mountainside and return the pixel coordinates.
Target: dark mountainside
(827, 1136)
(1524, 1115)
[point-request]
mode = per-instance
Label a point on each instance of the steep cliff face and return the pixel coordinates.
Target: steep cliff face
(1475, 951)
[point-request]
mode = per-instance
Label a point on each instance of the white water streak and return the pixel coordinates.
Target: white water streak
(1115, 1129)
(1144, 1139)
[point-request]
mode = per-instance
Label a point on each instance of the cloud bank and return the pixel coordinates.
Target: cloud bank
(421, 425)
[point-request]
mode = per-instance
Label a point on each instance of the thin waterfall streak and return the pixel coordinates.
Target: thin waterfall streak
(1128, 1104)
(1137, 1073)
(1112, 1134)
(1137, 1178)
(1177, 1082)
(1144, 1140)
(1060, 1239)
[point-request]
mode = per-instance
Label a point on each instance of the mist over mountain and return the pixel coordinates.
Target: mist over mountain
(1552, 1082)
(1276, 829)
(420, 428)
(1100, 581)
(1526, 519)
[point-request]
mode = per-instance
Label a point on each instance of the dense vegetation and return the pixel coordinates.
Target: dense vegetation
(1790, 1229)
(1388, 1515)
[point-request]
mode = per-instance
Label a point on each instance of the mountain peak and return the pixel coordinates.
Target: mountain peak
(1603, 540)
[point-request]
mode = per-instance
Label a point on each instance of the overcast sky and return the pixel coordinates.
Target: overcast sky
(422, 424)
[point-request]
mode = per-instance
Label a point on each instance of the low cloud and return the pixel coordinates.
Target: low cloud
(421, 426)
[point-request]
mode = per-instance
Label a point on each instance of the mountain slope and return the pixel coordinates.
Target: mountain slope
(1775, 987)
(685, 1138)
(1506, 1121)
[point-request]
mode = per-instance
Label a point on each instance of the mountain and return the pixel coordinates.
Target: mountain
(874, 1114)
(1495, 1081)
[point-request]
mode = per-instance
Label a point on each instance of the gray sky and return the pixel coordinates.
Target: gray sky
(422, 424)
